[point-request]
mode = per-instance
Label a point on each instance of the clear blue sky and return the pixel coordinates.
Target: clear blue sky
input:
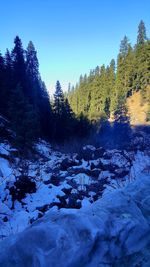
(74, 36)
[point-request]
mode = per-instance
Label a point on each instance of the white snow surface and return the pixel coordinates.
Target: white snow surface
(114, 231)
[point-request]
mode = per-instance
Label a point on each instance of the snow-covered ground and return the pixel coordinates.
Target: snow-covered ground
(65, 188)
(114, 231)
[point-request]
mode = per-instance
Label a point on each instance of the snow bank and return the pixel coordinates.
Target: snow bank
(114, 231)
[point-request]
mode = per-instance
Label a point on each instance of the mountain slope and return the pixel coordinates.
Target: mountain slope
(137, 109)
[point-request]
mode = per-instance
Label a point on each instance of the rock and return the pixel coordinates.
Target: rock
(5, 219)
(92, 166)
(43, 209)
(94, 173)
(55, 180)
(97, 187)
(73, 202)
(78, 170)
(67, 191)
(87, 153)
(113, 231)
(119, 160)
(48, 169)
(67, 163)
(63, 202)
(107, 155)
(108, 167)
(22, 186)
(47, 182)
(104, 175)
(120, 173)
(99, 152)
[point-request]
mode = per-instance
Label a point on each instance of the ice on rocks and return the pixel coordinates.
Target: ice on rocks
(112, 230)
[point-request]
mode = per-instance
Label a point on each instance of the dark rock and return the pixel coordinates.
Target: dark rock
(106, 167)
(4, 156)
(57, 204)
(95, 197)
(40, 215)
(107, 155)
(67, 163)
(67, 191)
(120, 173)
(92, 166)
(98, 187)
(5, 219)
(47, 182)
(94, 173)
(73, 202)
(86, 153)
(48, 169)
(91, 173)
(76, 171)
(22, 186)
(43, 209)
(55, 180)
(99, 152)
(63, 202)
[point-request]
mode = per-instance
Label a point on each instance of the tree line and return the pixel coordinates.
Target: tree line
(25, 102)
(104, 91)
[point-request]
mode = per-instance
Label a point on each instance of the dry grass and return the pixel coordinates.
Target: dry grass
(137, 109)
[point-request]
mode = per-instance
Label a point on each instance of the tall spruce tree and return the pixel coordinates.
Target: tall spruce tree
(141, 38)
(2, 89)
(23, 118)
(58, 99)
(19, 66)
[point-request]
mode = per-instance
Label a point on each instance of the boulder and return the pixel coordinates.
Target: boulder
(99, 152)
(55, 180)
(67, 163)
(120, 173)
(23, 185)
(87, 153)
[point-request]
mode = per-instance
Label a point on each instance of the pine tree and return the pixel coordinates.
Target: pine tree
(7, 81)
(141, 38)
(122, 85)
(58, 99)
(69, 88)
(2, 89)
(124, 46)
(45, 111)
(33, 76)
(23, 118)
(19, 67)
(32, 64)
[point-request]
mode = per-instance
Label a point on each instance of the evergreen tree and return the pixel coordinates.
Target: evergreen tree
(141, 38)
(124, 46)
(19, 67)
(2, 89)
(23, 118)
(69, 88)
(45, 111)
(32, 64)
(58, 99)
(7, 82)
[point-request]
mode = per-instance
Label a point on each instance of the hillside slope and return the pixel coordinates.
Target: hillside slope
(137, 109)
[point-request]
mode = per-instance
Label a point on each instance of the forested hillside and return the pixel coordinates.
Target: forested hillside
(25, 102)
(104, 92)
